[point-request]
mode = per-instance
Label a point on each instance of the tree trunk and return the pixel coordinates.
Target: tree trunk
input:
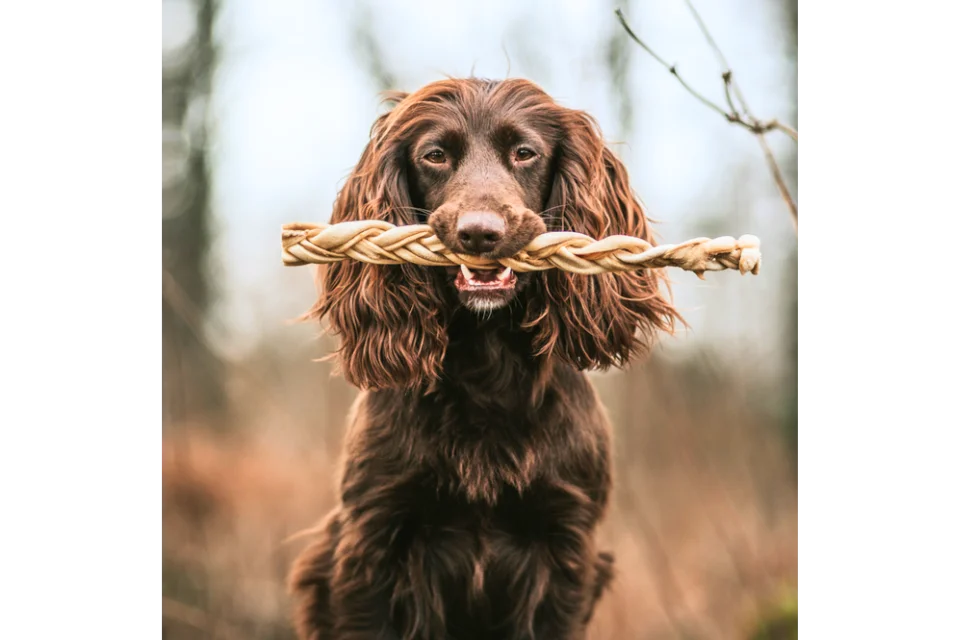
(193, 387)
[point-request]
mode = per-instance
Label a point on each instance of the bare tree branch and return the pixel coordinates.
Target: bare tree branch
(729, 82)
(737, 111)
(733, 113)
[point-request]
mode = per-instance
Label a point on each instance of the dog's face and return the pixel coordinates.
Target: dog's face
(484, 175)
(489, 165)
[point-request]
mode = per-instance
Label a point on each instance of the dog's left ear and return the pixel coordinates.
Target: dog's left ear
(597, 321)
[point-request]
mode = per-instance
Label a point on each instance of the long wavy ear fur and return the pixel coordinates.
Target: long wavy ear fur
(598, 321)
(387, 317)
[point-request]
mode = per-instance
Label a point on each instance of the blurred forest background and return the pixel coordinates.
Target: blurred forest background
(267, 106)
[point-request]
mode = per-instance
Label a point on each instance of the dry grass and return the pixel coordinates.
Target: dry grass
(703, 522)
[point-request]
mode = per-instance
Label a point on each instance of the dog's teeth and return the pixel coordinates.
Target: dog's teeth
(466, 272)
(505, 275)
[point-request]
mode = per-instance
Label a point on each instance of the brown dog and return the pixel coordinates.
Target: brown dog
(477, 462)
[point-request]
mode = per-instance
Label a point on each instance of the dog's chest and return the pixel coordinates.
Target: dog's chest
(489, 559)
(480, 452)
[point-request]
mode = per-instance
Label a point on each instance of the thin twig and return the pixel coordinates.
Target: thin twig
(706, 33)
(740, 115)
(778, 178)
(727, 77)
(727, 73)
(672, 68)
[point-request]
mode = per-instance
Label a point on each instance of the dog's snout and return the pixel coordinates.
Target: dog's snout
(480, 231)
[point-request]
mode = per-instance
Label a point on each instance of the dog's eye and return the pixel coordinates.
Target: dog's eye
(436, 157)
(524, 154)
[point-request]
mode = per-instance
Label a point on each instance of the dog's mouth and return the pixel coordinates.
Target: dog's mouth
(500, 279)
(484, 290)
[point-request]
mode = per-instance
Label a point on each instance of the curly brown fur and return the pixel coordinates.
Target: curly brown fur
(477, 462)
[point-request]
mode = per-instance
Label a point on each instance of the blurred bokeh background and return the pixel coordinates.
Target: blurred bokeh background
(267, 106)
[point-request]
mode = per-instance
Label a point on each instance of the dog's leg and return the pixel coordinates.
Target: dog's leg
(565, 609)
(572, 597)
(387, 581)
(332, 605)
(577, 573)
(396, 568)
(361, 591)
(310, 583)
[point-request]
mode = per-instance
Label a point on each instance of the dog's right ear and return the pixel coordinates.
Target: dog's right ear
(387, 316)
(594, 322)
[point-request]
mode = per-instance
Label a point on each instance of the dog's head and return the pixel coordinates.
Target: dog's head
(489, 166)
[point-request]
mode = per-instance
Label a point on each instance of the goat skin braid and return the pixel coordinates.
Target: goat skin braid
(379, 242)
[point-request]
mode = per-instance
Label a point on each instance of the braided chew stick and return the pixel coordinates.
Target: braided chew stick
(379, 242)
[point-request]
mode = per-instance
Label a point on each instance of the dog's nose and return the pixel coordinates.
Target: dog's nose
(480, 231)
